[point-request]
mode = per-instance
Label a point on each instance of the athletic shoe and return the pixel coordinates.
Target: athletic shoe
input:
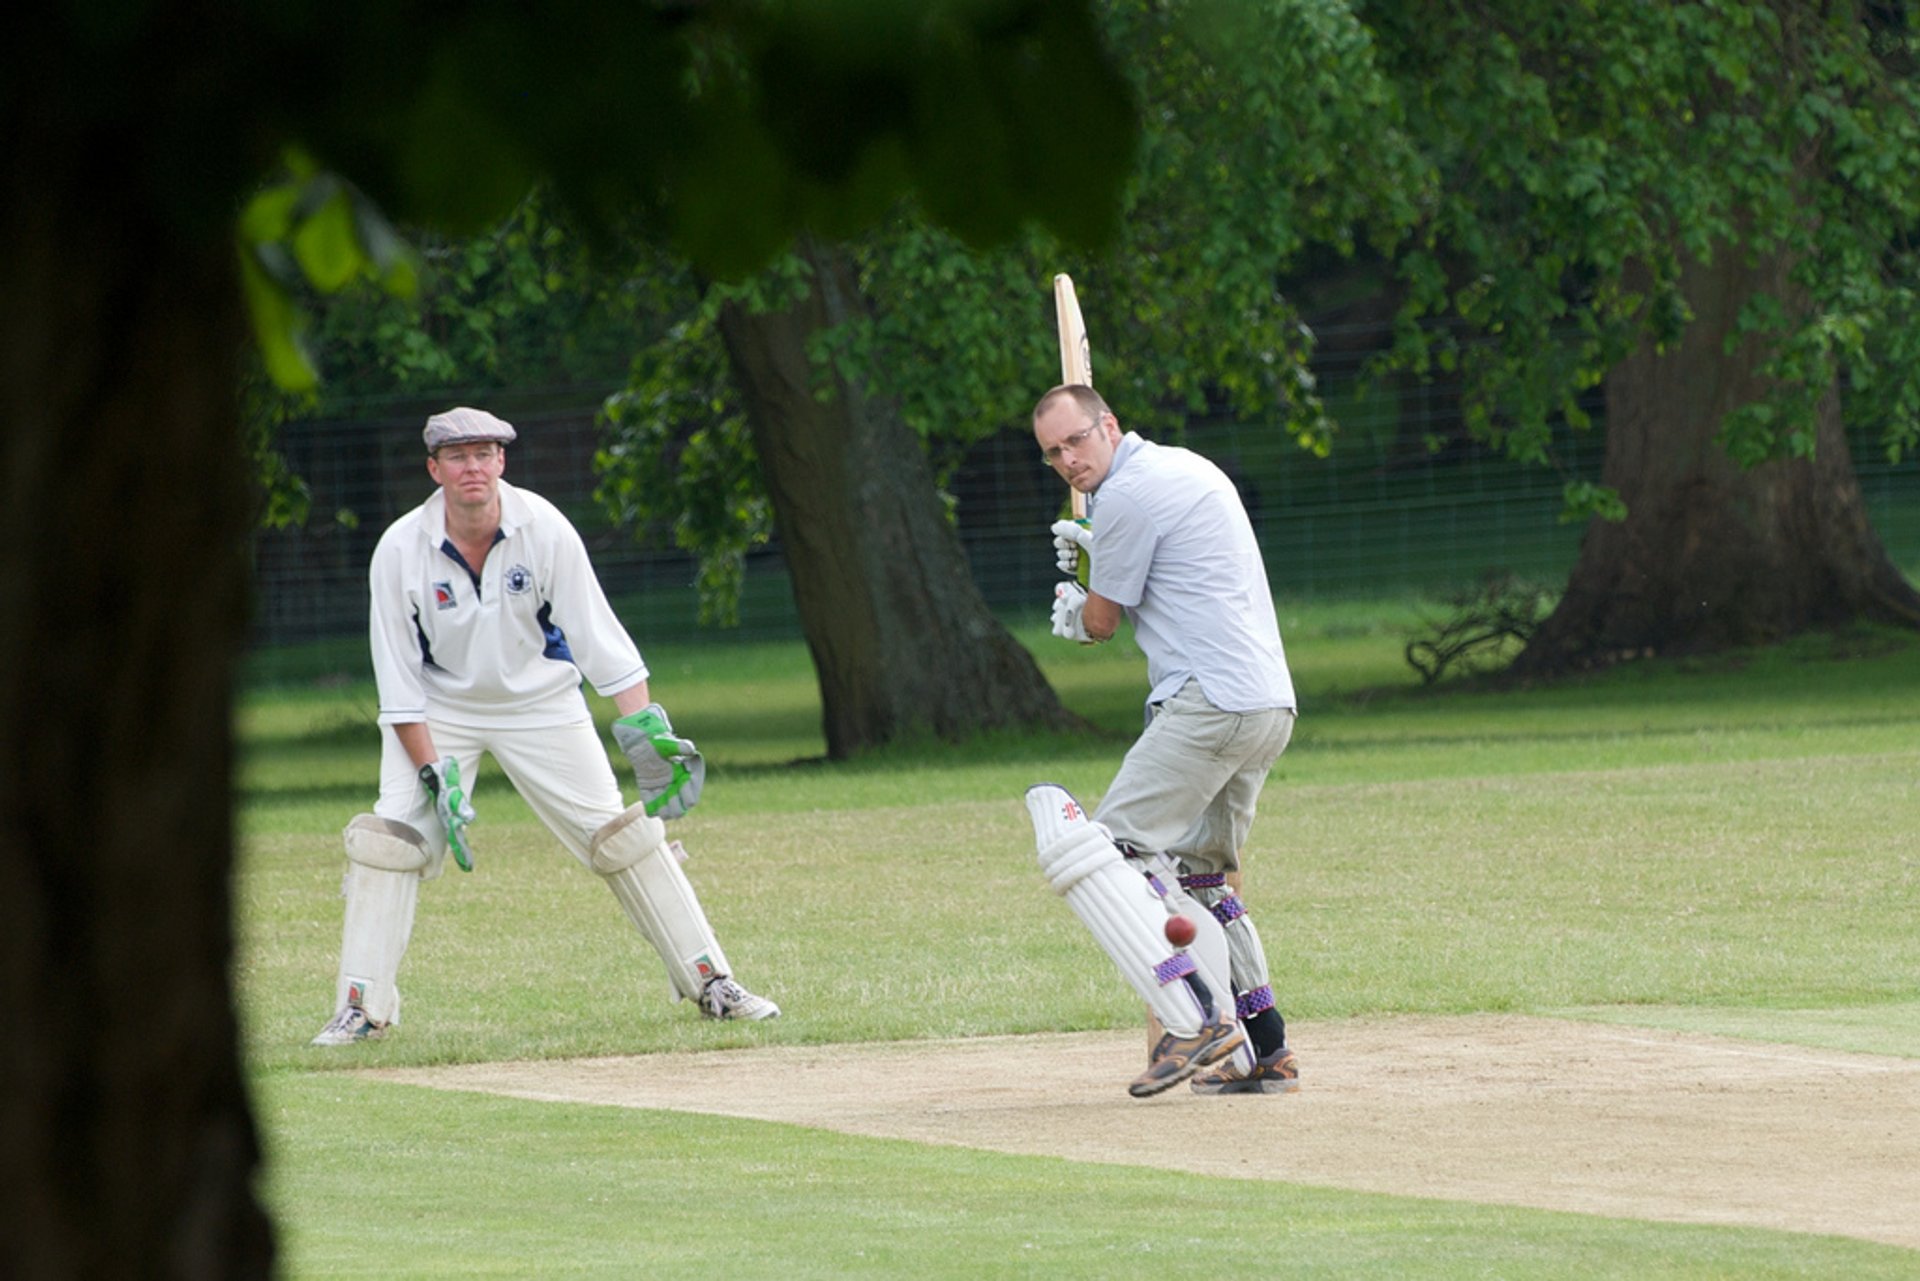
(1278, 1073)
(1176, 1058)
(350, 1025)
(725, 999)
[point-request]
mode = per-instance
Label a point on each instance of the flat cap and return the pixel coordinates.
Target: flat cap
(458, 426)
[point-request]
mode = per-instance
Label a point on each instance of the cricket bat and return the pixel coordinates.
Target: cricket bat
(1076, 356)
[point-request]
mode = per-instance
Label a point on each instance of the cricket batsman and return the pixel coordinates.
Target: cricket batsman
(1172, 550)
(485, 617)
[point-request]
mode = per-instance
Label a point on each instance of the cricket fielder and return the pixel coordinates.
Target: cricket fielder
(485, 616)
(1173, 551)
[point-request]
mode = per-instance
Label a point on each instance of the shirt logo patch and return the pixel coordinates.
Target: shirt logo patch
(443, 597)
(519, 579)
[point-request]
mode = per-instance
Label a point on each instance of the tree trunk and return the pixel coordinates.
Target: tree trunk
(129, 1147)
(901, 639)
(1713, 555)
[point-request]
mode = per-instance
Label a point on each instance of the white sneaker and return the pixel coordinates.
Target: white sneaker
(350, 1025)
(725, 999)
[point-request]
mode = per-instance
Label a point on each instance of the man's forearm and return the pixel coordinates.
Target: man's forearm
(416, 740)
(1101, 617)
(633, 698)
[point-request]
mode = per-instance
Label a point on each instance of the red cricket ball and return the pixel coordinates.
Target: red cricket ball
(1179, 931)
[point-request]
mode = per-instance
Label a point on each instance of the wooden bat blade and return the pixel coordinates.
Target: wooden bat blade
(1076, 354)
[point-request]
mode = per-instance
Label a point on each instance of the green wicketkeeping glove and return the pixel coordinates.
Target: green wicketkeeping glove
(668, 769)
(442, 781)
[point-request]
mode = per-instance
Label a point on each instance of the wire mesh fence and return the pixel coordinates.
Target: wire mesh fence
(1386, 514)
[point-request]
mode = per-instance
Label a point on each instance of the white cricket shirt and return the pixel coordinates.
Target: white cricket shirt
(1172, 545)
(506, 648)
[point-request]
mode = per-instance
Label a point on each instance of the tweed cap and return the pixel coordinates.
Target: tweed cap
(459, 426)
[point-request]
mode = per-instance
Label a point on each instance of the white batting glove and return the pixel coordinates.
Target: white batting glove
(1069, 599)
(1072, 539)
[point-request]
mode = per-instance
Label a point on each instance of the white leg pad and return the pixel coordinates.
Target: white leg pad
(1211, 947)
(1248, 956)
(642, 868)
(385, 864)
(1212, 950)
(1126, 917)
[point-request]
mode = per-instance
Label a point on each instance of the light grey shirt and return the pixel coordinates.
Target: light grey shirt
(1172, 545)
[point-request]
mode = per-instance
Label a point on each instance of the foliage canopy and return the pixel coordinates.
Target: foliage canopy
(1525, 179)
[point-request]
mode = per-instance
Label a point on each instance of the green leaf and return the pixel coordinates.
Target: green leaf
(327, 245)
(277, 324)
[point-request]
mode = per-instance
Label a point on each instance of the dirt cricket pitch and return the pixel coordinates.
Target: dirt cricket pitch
(1556, 1115)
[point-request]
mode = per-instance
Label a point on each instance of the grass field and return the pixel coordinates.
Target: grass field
(1723, 846)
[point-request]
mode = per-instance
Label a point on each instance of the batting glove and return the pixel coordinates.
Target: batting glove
(1069, 599)
(669, 769)
(442, 781)
(1072, 546)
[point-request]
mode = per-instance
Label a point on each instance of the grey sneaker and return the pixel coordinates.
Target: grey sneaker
(349, 1026)
(1278, 1073)
(1176, 1058)
(725, 999)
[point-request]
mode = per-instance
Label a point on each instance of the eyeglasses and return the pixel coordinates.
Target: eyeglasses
(1073, 442)
(471, 456)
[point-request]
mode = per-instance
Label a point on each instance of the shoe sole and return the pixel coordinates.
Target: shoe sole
(1206, 1056)
(1246, 1087)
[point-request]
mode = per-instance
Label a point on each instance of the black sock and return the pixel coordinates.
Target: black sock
(1269, 1032)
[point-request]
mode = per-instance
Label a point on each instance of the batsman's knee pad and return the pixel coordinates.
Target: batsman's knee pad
(1116, 903)
(386, 862)
(642, 868)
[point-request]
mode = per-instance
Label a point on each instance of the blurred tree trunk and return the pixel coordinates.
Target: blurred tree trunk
(901, 638)
(130, 1149)
(1712, 554)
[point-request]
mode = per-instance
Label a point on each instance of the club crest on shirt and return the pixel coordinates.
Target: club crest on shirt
(519, 579)
(443, 597)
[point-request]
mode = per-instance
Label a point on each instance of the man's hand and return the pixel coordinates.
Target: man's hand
(442, 781)
(669, 769)
(1073, 548)
(1069, 599)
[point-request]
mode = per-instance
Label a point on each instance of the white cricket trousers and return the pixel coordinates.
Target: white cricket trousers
(561, 771)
